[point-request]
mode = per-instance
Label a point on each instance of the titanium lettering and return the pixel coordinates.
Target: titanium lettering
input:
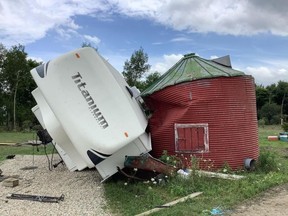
(90, 101)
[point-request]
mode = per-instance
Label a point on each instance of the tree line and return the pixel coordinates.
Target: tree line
(16, 85)
(272, 103)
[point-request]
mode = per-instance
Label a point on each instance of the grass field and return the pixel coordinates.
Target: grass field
(133, 197)
(8, 147)
(19, 137)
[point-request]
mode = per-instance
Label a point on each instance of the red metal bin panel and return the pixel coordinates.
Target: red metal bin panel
(228, 105)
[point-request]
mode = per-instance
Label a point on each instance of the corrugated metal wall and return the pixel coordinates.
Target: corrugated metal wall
(228, 105)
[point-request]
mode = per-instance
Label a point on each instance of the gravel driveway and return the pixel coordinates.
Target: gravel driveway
(82, 190)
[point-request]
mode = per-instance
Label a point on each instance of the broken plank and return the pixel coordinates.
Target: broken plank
(8, 144)
(170, 204)
(220, 175)
(10, 182)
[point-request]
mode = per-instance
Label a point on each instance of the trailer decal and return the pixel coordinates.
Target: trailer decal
(90, 101)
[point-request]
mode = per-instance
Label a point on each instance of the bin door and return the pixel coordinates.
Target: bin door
(191, 138)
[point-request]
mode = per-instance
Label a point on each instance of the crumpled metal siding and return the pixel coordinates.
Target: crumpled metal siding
(228, 105)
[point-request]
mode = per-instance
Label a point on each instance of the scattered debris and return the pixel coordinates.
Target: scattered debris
(29, 168)
(128, 175)
(273, 138)
(3, 177)
(10, 182)
(283, 136)
(187, 172)
(146, 167)
(56, 164)
(219, 175)
(31, 142)
(214, 211)
(149, 163)
(167, 205)
(182, 173)
(38, 198)
(10, 156)
(8, 144)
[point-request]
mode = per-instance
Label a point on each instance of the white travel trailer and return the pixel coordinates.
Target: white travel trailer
(90, 111)
(55, 125)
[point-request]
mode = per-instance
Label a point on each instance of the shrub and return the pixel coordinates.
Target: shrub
(285, 126)
(172, 160)
(26, 125)
(261, 122)
(226, 168)
(267, 162)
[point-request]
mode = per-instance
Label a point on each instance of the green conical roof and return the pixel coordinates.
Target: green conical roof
(191, 67)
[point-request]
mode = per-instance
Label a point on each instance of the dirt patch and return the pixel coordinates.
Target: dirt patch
(272, 202)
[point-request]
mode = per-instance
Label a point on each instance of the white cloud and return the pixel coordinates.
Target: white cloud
(165, 63)
(267, 76)
(283, 71)
(66, 33)
(214, 57)
(181, 39)
(24, 21)
(275, 62)
(92, 39)
(236, 17)
(37, 59)
(116, 60)
(139, 8)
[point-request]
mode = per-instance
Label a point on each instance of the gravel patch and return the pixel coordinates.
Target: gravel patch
(83, 192)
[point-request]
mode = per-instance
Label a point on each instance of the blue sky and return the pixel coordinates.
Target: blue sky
(253, 32)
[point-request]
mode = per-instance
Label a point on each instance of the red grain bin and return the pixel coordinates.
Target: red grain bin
(206, 109)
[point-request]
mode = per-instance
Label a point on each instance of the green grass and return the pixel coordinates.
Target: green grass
(130, 198)
(18, 137)
(269, 130)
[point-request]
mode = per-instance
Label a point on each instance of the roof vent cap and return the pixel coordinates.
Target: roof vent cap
(189, 55)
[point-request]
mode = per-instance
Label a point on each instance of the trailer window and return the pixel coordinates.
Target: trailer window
(191, 138)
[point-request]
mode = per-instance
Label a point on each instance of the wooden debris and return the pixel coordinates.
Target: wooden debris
(10, 182)
(39, 198)
(219, 175)
(29, 142)
(170, 204)
(8, 144)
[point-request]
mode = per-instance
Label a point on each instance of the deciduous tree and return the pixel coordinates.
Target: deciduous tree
(17, 83)
(135, 68)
